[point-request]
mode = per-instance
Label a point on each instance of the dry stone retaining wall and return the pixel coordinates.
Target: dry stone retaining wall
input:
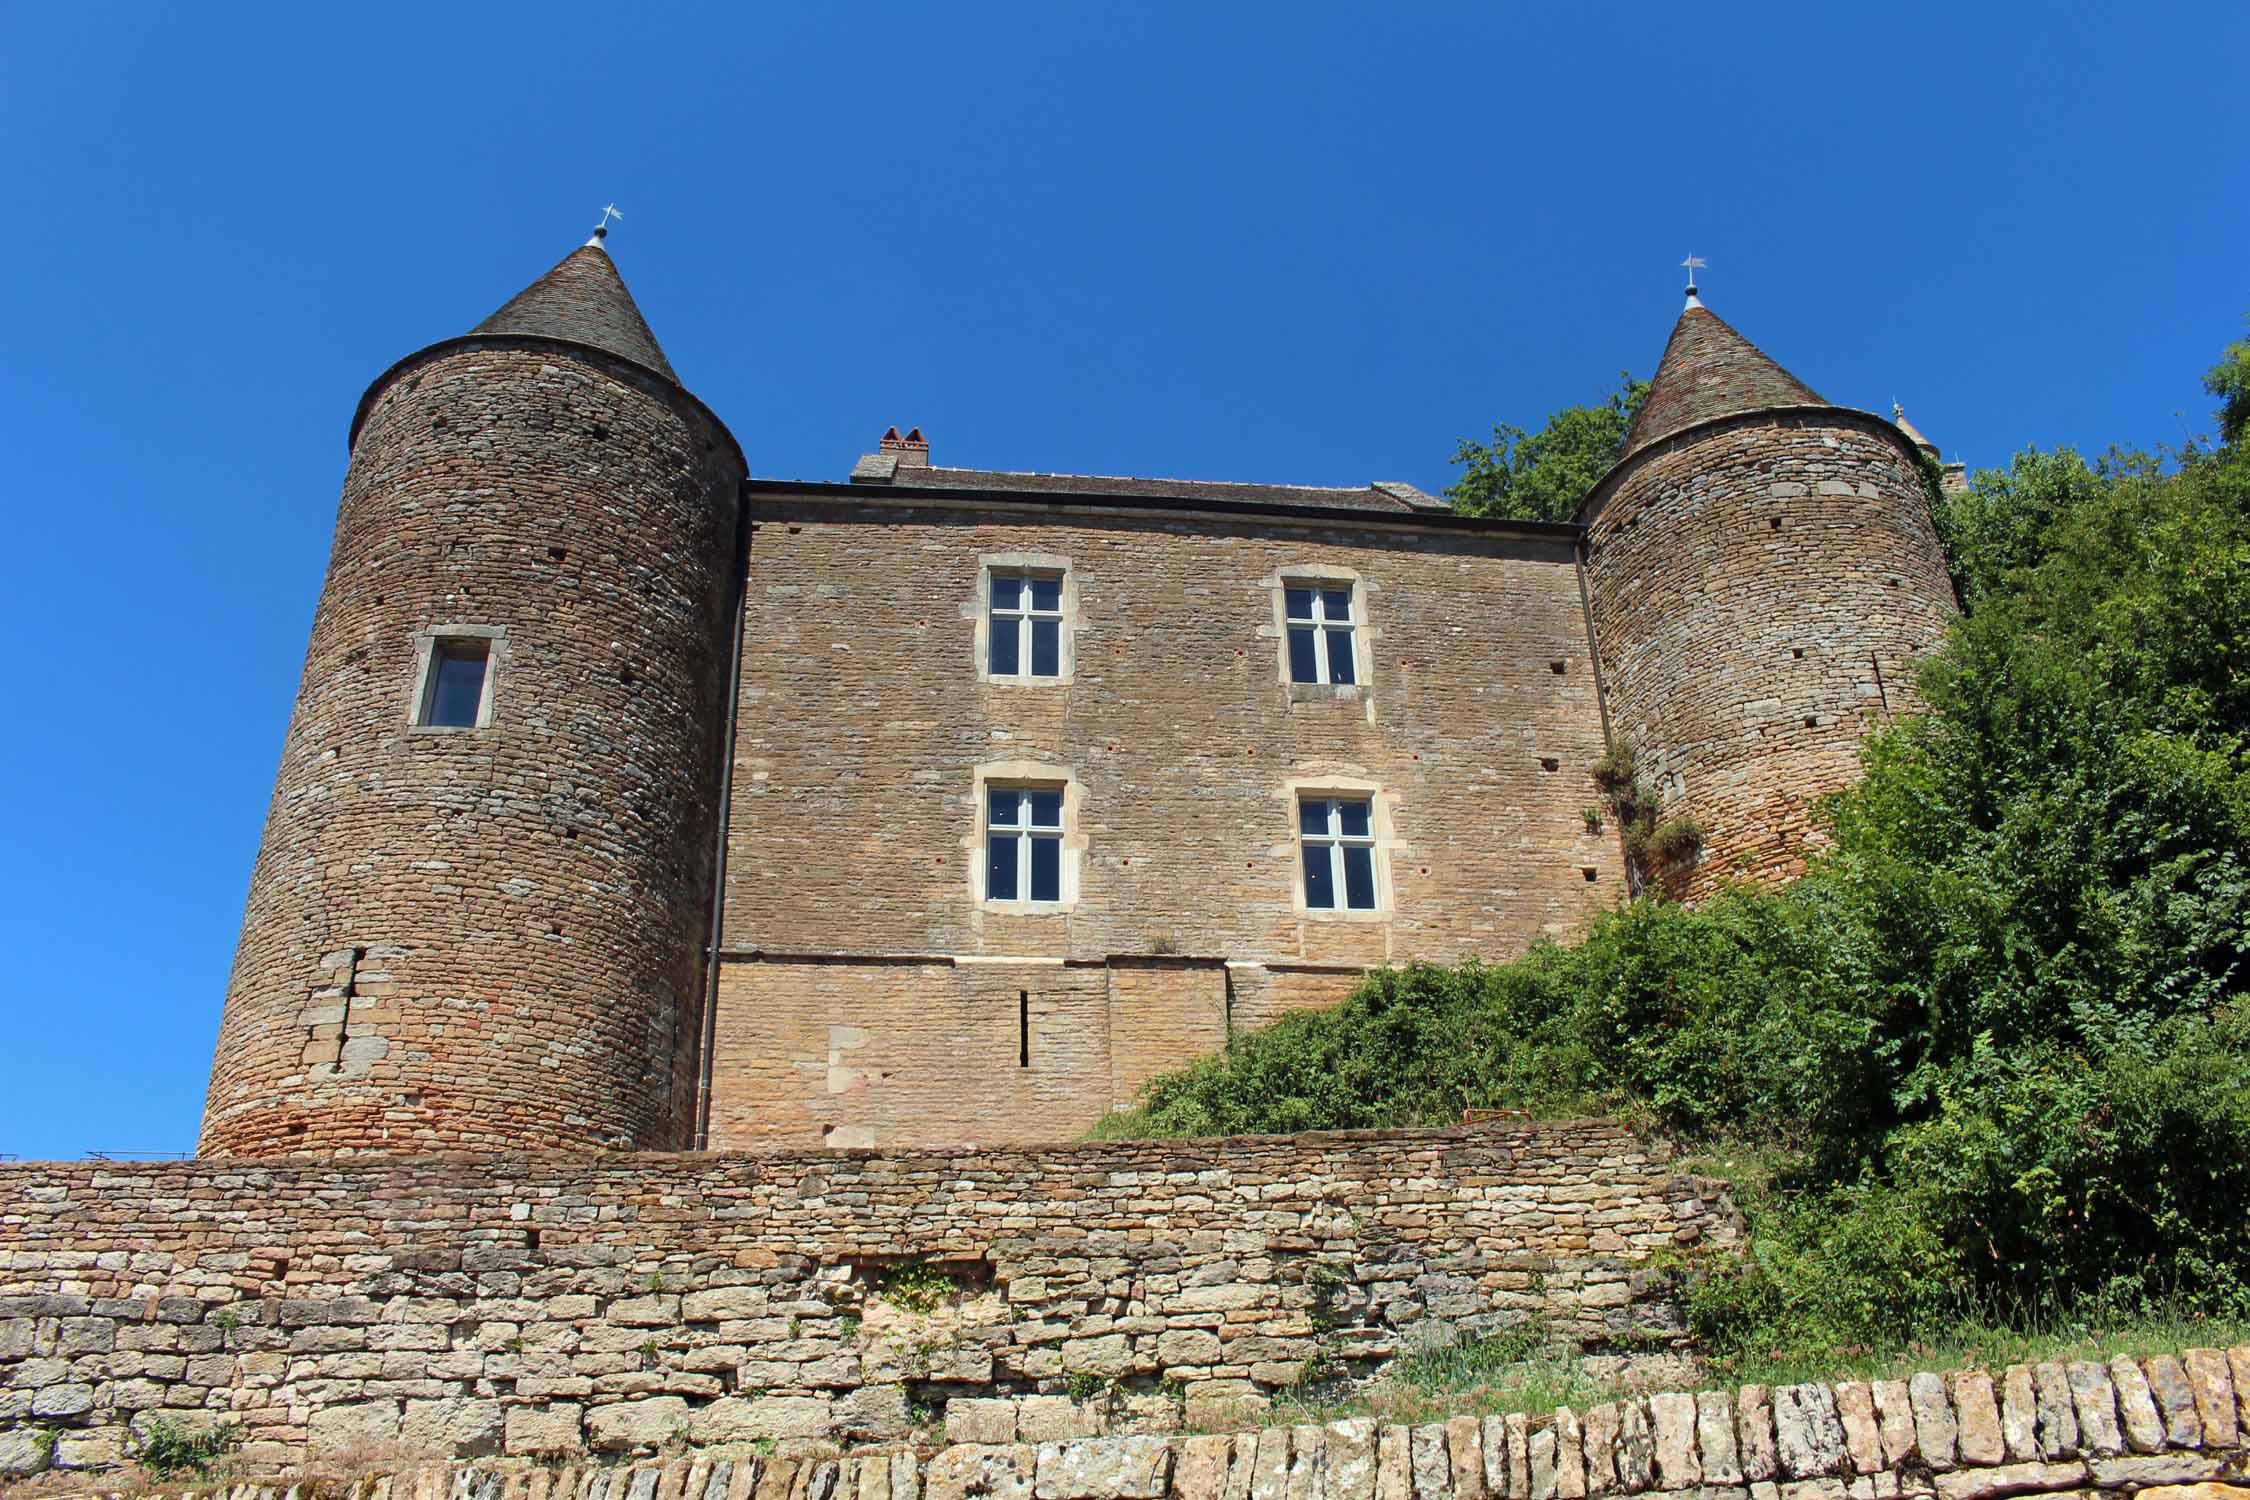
(2159, 1428)
(457, 1306)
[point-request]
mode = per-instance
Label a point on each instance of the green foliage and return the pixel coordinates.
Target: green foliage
(167, 1449)
(1085, 1386)
(1543, 475)
(2229, 380)
(1995, 1044)
(915, 1285)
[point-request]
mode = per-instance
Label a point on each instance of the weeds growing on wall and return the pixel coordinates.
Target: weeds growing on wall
(168, 1449)
(1992, 1054)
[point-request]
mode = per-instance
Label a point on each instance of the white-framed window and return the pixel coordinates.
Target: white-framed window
(1023, 844)
(1024, 634)
(1318, 617)
(1337, 836)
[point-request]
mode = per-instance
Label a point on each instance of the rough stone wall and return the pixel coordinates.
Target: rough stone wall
(871, 996)
(465, 1305)
(1760, 590)
(491, 937)
(2161, 1428)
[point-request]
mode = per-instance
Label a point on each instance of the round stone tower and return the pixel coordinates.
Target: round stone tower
(1762, 571)
(479, 907)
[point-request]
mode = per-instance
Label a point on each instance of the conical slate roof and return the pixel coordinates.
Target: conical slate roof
(1710, 371)
(583, 301)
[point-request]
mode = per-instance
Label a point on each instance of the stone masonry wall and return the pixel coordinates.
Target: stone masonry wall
(1761, 590)
(2161, 1428)
(869, 991)
(548, 1304)
(491, 937)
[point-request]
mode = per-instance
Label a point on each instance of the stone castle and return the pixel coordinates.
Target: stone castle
(631, 801)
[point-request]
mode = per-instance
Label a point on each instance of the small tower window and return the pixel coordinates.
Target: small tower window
(454, 687)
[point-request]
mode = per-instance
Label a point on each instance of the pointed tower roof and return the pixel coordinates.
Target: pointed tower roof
(1710, 371)
(583, 301)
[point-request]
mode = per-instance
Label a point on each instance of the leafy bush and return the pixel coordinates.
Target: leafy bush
(1997, 1037)
(167, 1449)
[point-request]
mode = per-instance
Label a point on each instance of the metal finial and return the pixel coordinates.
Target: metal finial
(1693, 264)
(601, 230)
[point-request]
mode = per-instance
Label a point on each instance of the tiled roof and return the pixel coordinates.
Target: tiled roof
(583, 301)
(1710, 371)
(1388, 497)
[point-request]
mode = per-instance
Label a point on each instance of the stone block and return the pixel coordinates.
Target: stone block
(975, 1419)
(1753, 1431)
(1977, 1410)
(454, 1427)
(1714, 1438)
(1199, 1472)
(2137, 1418)
(1808, 1436)
(538, 1431)
(1672, 1422)
(1048, 1419)
(1863, 1434)
(1542, 1465)
(745, 1419)
(1936, 1433)
(2094, 1404)
(2009, 1479)
(352, 1424)
(2137, 1471)
(2058, 1414)
(2175, 1401)
(1121, 1468)
(1598, 1447)
(1308, 1462)
(1636, 1449)
(2019, 1413)
(649, 1422)
(1394, 1462)
(24, 1453)
(1351, 1460)
(2213, 1387)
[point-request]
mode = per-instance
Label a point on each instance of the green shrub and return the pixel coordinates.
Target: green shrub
(1997, 1040)
(167, 1449)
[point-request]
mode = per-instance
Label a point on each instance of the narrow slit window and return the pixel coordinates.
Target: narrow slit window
(1337, 835)
(1320, 635)
(454, 694)
(1024, 625)
(1023, 844)
(1023, 1028)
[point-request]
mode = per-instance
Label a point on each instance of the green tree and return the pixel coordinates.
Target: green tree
(1543, 475)
(2229, 380)
(1998, 1041)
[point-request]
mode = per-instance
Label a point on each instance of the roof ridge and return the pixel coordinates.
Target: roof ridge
(1262, 484)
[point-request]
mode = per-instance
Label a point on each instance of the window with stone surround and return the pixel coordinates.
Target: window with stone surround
(1319, 621)
(454, 670)
(1023, 844)
(1024, 625)
(1337, 837)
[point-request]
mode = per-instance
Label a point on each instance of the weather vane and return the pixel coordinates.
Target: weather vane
(608, 214)
(1693, 264)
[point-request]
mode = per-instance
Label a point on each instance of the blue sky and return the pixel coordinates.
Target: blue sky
(1303, 243)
